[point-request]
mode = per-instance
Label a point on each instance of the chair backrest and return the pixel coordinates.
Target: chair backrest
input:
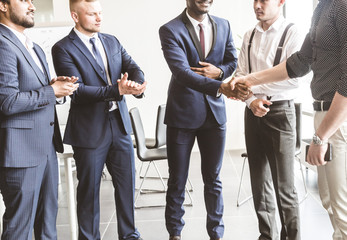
(160, 130)
(138, 131)
(298, 128)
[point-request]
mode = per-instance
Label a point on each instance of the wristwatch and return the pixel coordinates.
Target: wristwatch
(317, 141)
(221, 74)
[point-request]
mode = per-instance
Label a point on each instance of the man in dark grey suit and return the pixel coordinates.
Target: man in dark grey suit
(29, 131)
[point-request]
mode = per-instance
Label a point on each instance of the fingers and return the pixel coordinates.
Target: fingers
(316, 154)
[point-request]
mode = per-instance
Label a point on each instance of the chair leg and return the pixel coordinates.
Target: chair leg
(303, 179)
(238, 203)
(190, 203)
(143, 191)
(191, 185)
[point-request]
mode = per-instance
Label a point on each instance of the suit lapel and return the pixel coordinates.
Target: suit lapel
(107, 48)
(43, 61)
(13, 38)
(85, 51)
(214, 29)
(192, 34)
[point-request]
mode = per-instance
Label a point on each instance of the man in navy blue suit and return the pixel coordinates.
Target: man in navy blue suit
(98, 126)
(29, 130)
(200, 52)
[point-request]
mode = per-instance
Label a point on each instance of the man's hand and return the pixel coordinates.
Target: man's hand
(239, 80)
(64, 86)
(258, 108)
(126, 86)
(72, 79)
(240, 92)
(316, 153)
(208, 70)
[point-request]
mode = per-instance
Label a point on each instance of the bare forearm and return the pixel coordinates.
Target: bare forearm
(335, 117)
(275, 74)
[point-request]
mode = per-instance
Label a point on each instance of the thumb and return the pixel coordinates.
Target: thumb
(267, 102)
(125, 76)
(205, 64)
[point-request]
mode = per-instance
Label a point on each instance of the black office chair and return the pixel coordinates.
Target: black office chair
(159, 140)
(297, 157)
(148, 155)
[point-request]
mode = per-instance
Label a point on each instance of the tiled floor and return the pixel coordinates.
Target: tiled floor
(240, 222)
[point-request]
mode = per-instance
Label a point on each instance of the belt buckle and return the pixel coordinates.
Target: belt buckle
(322, 105)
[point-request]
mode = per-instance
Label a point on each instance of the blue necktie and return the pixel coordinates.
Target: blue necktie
(97, 55)
(98, 59)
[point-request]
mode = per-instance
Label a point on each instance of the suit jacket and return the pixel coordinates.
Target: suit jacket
(88, 116)
(27, 105)
(190, 94)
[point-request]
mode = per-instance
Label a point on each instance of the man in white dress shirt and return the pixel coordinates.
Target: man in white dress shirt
(270, 122)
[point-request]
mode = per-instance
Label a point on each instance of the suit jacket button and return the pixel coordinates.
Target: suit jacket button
(51, 123)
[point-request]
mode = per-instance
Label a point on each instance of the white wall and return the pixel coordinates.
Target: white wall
(136, 23)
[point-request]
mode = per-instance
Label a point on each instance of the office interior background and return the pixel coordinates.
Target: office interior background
(136, 23)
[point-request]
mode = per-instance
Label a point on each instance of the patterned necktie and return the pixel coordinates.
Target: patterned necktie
(202, 39)
(97, 54)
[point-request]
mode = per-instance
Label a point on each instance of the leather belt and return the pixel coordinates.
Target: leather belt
(284, 103)
(321, 106)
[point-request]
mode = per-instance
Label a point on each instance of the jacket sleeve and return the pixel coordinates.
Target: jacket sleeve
(12, 99)
(178, 63)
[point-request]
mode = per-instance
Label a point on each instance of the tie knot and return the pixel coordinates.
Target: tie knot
(92, 40)
(201, 25)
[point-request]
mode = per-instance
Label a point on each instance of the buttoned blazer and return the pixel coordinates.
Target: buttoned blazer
(89, 115)
(190, 94)
(28, 122)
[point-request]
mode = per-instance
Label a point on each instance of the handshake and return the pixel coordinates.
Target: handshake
(237, 90)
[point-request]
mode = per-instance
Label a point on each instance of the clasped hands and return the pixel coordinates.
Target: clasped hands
(126, 86)
(238, 91)
(64, 86)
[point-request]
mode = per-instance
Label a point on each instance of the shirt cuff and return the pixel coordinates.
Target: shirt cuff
(250, 100)
(60, 100)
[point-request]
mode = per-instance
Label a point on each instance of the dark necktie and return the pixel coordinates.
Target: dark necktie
(202, 39)
(98, 59)
(97, 54)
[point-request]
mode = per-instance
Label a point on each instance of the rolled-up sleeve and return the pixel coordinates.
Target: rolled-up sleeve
(299, 64)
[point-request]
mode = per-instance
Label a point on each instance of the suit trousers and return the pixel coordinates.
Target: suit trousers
(332, 180)
(270, 143)
(31, 200)
(211, 140)
(116, 150)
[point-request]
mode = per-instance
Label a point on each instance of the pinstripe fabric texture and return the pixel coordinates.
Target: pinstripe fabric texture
(27, 105)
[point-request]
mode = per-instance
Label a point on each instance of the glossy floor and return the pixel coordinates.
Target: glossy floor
(240, 222)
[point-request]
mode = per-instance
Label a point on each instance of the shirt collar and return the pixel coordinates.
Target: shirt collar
(276, 25)
(84, 37)
(21, 36)
(195, 23)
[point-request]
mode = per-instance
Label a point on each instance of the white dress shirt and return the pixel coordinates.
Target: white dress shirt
(86, 40)
(208, 31)
(262, 55)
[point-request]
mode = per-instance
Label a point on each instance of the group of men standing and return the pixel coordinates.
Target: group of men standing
(96, 72)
